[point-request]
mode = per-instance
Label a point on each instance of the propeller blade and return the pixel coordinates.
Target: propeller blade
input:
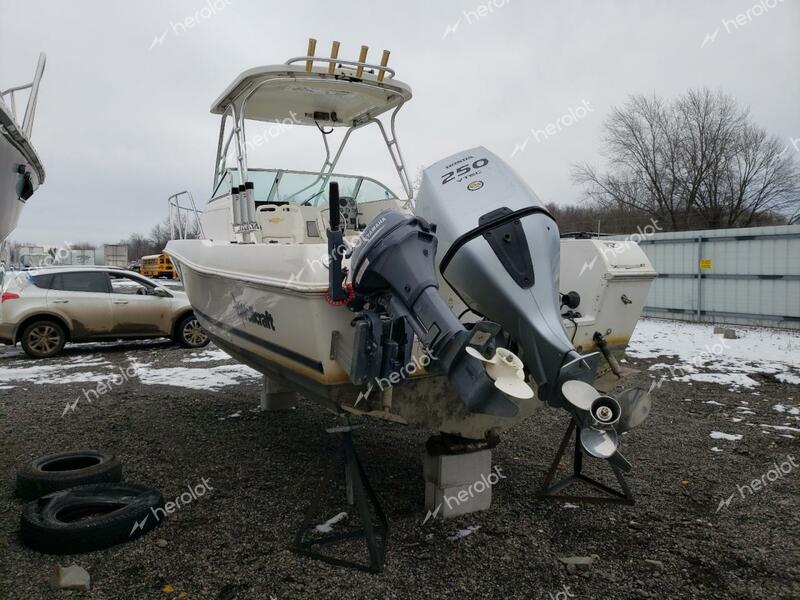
(507, 372)
(514, 386)
(635, 404)
(600, 444)
(473, 352)
(579, 393)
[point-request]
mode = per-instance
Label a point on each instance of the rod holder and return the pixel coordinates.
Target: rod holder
(384, 62)
(334, 55)
(362, 58)
(312, 47)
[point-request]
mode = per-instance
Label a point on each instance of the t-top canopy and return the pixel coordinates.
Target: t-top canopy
(279, 92)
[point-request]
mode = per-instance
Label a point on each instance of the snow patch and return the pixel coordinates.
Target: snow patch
(728, 362)
(462, 533)
(731, 437)
(208, 378)
(208, 356)
(327, 526)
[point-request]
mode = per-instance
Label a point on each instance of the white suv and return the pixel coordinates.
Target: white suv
(42, 309)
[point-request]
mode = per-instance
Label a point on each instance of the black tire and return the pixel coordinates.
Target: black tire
(63, 470)
(189, 333)
(43, 339)
(89, 517)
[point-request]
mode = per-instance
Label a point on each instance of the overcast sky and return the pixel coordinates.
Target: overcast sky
(123, 117)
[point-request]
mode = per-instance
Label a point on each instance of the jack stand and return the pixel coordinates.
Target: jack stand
(359, 491)
(550, 490)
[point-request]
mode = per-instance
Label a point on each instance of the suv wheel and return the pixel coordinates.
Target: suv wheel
(42, 339)
(190, 334)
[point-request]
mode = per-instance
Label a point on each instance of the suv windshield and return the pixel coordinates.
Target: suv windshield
(311, 189)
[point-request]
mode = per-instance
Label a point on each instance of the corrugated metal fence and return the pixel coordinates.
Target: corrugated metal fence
(748, 276)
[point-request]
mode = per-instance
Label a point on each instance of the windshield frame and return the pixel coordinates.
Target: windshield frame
(320, 180)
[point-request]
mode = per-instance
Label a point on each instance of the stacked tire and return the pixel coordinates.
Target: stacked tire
(78, 503)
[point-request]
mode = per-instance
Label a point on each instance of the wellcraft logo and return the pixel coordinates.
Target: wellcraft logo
(248, 313)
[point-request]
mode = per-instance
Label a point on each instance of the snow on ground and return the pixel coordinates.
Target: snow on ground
(327, 526)
(705, 356)
(692, 352)
(71, 370)
(730, 437)
(195, 378)
(462, 533)
(17, 369)
(208, 356)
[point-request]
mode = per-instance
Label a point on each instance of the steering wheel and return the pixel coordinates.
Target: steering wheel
(141, 291)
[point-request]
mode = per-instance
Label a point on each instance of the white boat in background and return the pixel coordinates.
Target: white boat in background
(308, 276)
(21, 170)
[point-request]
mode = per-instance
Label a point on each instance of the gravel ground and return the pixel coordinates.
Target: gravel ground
(232, 542)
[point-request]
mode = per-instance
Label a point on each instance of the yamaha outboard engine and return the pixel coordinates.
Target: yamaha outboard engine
(395, 281)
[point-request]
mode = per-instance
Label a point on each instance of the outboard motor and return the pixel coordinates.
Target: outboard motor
(395, 281)
(499, 251)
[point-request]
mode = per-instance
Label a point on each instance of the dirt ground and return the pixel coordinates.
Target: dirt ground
(263, 469)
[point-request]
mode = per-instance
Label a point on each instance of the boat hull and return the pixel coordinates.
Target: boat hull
(265, 305)
(288, 335)
(17, 158)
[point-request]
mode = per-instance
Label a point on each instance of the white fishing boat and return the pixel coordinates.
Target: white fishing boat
(457, 310)
(21, 170)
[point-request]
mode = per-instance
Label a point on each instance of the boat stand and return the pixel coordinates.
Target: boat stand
(359, 492)
(551, 490)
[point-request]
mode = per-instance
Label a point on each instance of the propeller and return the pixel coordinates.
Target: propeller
(635, 404)
(506, 370)
(603, 418)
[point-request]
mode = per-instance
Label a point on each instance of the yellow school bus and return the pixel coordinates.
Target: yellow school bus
(157, 265)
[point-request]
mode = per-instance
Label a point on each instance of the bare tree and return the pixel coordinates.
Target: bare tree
(138, 246)
(698, 161)
(159, 236)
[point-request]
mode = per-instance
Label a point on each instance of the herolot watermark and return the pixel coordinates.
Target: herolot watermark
(475, 15)
(192, 494)
(742, 19)
(697, 361)
(384, 383)
(211, 8)
(55, 256)
(268, 133)
(413, 366)
(572, 116)
(777, 472)
(562, 595)
(480, 486)
(613, 248)
(103, 387)
(344, 249)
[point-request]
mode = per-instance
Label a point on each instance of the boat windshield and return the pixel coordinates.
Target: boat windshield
(304, 188)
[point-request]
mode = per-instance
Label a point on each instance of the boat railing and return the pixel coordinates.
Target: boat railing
(33, 86)
(184, 219)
